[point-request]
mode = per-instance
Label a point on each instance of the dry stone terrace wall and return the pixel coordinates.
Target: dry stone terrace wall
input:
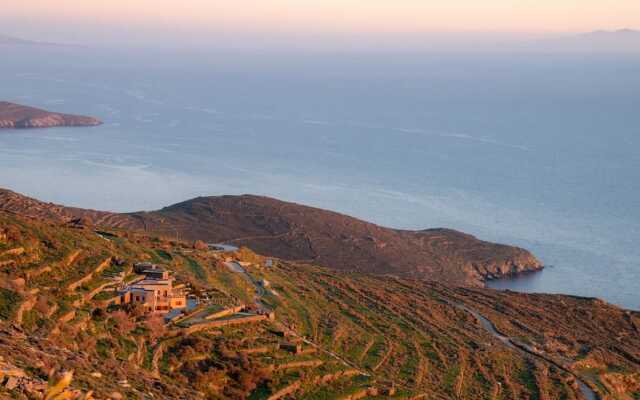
(289, 390)
(104, 264)
(226, 312)
(67, 317)
(300, 364)
(435, 348)
(228, 322)
(26, 305)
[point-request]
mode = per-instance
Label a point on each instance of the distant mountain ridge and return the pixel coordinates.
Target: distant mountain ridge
(601, 41)
(11, 40)
(300, 233)
(625, 31)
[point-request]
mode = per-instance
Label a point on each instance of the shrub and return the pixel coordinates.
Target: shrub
(156, 327)
(123, 323)
(9, 301)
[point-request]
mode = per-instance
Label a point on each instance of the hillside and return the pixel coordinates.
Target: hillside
(355, 335)
(299, 233)
(17, 116)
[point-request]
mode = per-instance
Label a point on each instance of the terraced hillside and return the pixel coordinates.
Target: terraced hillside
(299, 233)
(335, 335)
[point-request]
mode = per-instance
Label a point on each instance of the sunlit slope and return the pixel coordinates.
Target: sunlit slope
(335, 335)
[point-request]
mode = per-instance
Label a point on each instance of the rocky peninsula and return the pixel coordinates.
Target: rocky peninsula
(307, 234)
(16, 116)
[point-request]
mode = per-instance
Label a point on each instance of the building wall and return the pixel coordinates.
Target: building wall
(178, 302)
(153, 295)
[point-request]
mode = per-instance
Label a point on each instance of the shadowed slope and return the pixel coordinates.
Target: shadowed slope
(296, 232)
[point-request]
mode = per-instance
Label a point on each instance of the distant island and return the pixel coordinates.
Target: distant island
(619, 32)
(612, 41)
(15, 41)
(16, 116)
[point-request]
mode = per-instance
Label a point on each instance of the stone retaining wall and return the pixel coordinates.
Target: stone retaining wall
(227, 322)
(300, 364)
(226, 312)
(67, 317)
(104, 264)
(285, 391)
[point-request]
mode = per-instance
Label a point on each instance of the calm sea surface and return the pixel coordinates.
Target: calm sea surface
(537, 150)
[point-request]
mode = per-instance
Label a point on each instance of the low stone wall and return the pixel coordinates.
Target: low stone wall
(300, 364)
(256, 350)
(37, 272)
(115, 300)
(308, 350)
(67, 317)
(372, 392)
(26, 305)
(227, 322)
(97, 290)
(104, 264)
(332, 377)
(226, 312)
(54, 308)
(285, 391)
(13, 252)
(188, 315)
(71, 258)
(157, 355)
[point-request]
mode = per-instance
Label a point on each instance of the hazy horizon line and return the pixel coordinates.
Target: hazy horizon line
(329, 40)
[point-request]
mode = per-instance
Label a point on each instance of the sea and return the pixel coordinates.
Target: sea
(539, 150)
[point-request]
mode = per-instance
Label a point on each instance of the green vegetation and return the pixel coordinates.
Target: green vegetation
(368, 332)
(196, 268)
(164, 255)
(9, 301)
(105, 296)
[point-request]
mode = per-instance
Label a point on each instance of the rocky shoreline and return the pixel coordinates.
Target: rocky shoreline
(513, 271)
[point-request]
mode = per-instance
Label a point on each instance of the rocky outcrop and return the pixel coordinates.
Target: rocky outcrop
(16, 116)
(16, 380)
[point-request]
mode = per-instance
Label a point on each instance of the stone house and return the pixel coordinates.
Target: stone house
(154, 293)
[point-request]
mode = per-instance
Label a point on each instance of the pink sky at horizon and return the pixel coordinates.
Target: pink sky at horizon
(334, 16)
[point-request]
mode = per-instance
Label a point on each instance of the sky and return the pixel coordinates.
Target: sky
(148, 17)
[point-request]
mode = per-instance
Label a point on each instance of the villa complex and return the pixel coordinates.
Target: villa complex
(154, 293)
